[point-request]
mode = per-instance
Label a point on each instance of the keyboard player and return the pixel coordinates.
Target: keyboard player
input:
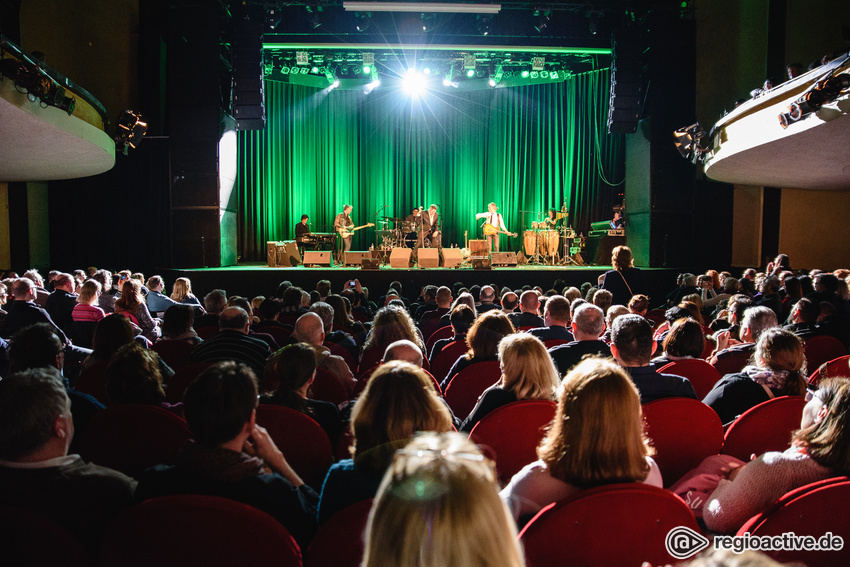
(302, 232)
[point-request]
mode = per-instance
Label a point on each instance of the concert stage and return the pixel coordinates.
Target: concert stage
(255, 279)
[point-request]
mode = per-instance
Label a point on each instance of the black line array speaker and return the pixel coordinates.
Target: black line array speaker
(249, 107)
(627, 84)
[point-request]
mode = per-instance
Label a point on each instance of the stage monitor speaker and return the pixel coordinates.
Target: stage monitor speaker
(503, 258)
(287, 254)
(452, 257)
(521, 259)
(355, 258)
(478, 248)
(400, 257)
(371, 264)
(429, 258)
(481, 264)
(317, 258)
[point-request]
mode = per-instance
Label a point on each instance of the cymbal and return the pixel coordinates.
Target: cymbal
(394, 219)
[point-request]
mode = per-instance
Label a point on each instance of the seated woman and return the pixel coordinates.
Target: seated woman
(178, 325)
(133, 376)
(293, 368)
(819, 450)
(527, 374)
(399, 400)
(182, 293)
(110, 334)
(86, 313)
(390, 324)
(483, 340)
(457, 520)
(779, 370)
(684, 340)
(596, 438)
(132, 304)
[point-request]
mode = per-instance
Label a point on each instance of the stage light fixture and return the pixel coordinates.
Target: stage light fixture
(364, 21)
(492, 82)
(449, 7)
(543, 18)
(535, 74)
(413, 83)
(367, 69)
(368, 59)
(544, 74)
(272, 18)
(131, 130)
(538, 63)
(484, 24)
(284, 70)
(692, 142)
(313, 16)
(524, 74)
(470, 73)
(302, 57)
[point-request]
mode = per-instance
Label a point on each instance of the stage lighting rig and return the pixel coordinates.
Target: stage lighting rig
(37, 85)
(692, 142)
(131, 130)
(823, 92)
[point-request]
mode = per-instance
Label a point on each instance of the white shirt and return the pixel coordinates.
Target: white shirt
(493, 218)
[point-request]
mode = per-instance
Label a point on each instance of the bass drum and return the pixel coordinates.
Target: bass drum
(529, 241)
(410, 240)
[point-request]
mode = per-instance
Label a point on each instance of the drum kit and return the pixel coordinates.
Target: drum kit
(395, 232)
(542, 241)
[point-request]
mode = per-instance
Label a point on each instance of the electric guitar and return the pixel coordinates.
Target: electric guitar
(345, 232)
(490, 230)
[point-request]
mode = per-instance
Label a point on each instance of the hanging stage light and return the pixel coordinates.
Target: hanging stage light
(130, 131)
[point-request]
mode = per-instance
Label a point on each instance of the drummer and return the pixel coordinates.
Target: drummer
(552, 221)
(413, 226)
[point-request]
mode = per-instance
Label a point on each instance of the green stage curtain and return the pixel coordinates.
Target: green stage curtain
(524, 148)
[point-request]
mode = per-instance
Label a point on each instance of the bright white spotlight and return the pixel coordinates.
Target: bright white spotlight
(413, 83)
(371, 86)
(492, 82)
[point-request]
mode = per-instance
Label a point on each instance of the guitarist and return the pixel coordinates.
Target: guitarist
(343, 224)
(496, 226)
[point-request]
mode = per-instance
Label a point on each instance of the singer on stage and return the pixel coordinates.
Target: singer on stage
(431, 228)
(342, 224)
(493, 226)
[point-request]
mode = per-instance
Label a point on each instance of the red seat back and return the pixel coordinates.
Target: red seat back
(197, 530)
(280, 335)
(430, 322)
(510, 434)
(812, 510)
(441, 333)
(327, 387)
(732, 363)
(369, 358)
(344, 354)
(207, 332)
(178, 383)
(175, 353)
(133, 437)
(821, 349)
(30, 539)
(466, 386)
(683, 432)
(92, 381)
(339, 542)
(656, 316)
(614, 525)
(445, 359)
(836, 367)
(765, 427)
(552, 343)
(701, 374)
(303, 441)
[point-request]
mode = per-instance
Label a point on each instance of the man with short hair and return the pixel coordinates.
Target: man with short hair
(230, 454)
(556, 317)
(529, 309)
(587, 326)
(403, 350)
(41, 294)
(156, 300)
(326, 312)
(804, 318)
(603, 299)
(756, 321)
(429, 302)
(62, 301)
(461, 319)
(36, 471)
(632, 347)
(234, 343)
(310, 329)
(509, 302)
(214, 303)
(487, 295)
(324, 289)
(24, 312)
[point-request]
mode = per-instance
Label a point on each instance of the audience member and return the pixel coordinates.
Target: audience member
(527, 374)
(632, 347)
(430, 320)
(335, 336)
(106, 299)
(684, 341)
(132, 304)
(483, 340)
(460, 319)
(309, 329)
(157, 301)
(624, 280)
(24, 311)
(61, 302)
(36, 471)
(86, 314)
(133, 376)
(293, 368)
(214, 303)
(487, 297)
(230, 455)
(182, 293)
(178, 324)
(405, 351)
(804, 317)
(756, 321)
(529, 311)
(391, 324)
(398, 401)
(457, 519)
(234, 343)
(587, 326)
(428, 302)
(779, 370)
(556, 318)
(596, 438)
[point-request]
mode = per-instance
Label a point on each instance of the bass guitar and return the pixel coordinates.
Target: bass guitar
(490, 230)
(345, 232)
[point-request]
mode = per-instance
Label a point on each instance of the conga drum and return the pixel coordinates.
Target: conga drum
(529, 240)
(551, 239)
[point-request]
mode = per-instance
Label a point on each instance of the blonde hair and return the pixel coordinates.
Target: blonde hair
(399, 400)
(89, 292)
(597, 435)
(621, 258)
(527, 369)
(439, 505)
(182, 289)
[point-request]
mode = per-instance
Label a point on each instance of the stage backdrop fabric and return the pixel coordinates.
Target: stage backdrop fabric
(524, 148)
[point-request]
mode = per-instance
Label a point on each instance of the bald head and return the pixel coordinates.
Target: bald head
(444, 297)
(529, 302)
(509, 301)
(310, 329)
(234, 318)
(403, 350)
(487, 294)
